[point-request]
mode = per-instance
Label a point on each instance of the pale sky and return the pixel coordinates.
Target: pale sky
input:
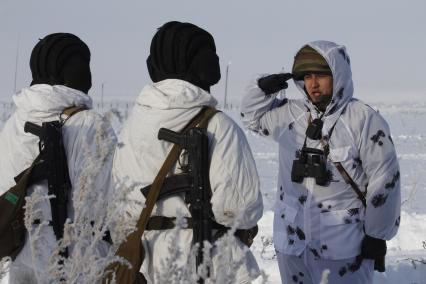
(386, 40)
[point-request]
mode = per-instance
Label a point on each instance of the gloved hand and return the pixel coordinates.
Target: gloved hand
(273, 83)
(372, 248)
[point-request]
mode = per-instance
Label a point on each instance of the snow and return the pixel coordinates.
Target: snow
(406, 258)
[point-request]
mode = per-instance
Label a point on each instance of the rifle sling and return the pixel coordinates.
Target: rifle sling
(70, 111)
(38, 173)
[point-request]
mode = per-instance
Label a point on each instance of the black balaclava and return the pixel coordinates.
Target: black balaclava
(184, 51)
(61, 59)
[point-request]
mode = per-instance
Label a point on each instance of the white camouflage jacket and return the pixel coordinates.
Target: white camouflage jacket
(329, 220)
(233, 176)
(84, 135)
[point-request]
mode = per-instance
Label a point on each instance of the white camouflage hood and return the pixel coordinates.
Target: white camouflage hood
(339, 63)
(174, 94)
(43, 102)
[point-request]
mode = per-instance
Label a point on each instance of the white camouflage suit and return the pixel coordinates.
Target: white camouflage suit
(41, 103)
(321, 227)
(234, 181)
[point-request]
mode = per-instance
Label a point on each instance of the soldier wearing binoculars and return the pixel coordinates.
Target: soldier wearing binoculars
(338, 192)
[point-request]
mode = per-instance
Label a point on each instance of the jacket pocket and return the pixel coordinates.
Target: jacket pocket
(348, 157)
(341, 232)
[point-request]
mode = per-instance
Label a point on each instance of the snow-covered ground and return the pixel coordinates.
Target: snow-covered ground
(406, 259)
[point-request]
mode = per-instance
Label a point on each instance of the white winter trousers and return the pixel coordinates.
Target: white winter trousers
(308, 269)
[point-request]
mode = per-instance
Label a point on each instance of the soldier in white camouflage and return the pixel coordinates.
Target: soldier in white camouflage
(338, 192)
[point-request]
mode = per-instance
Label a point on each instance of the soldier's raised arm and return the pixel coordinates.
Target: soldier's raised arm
(262, 111)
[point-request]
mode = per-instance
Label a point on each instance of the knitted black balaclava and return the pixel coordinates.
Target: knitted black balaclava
(61, 59)
(184, 51)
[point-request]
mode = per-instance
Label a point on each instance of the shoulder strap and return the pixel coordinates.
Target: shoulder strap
(70, 111)
(209, 113)
(350, 181)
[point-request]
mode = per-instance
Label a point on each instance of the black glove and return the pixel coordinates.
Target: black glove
(372, 248)
(274, 83)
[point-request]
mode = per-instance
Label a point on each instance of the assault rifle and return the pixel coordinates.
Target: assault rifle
(195, 142)
(53, 167)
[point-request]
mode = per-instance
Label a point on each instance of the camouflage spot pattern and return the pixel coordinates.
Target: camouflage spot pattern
(398, 221)
(315, 253)
(391, 184)
(342, 271)
(283, 102)
(351, 267)
(379, 199)
(300, 234)
(265, 132)
(345, 56)
(376, 138)
(340, 93)
(347, 220)
(290, 230)
(353, 211)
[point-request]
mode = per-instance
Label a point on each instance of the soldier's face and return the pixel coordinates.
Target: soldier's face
(318, 86)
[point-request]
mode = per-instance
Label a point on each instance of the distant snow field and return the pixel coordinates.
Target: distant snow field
(406, 258)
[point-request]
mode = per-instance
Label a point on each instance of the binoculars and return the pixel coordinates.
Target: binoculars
(310, 163)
